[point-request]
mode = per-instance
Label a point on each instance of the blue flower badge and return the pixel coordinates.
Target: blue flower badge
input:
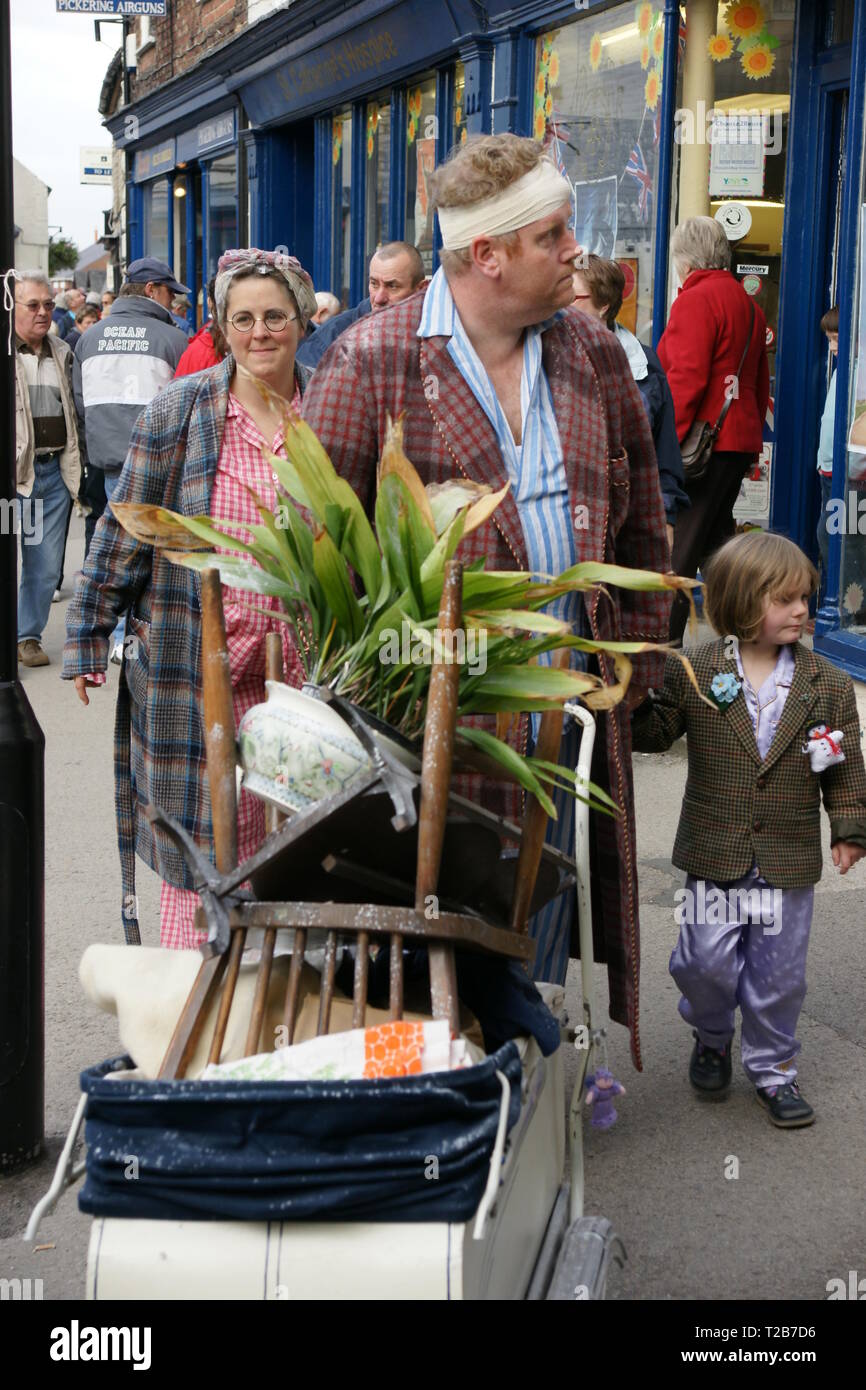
(724, 689)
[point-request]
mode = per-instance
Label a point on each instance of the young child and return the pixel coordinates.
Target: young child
(785, 731)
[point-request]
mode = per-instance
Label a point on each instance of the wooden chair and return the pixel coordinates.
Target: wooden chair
(370, 924)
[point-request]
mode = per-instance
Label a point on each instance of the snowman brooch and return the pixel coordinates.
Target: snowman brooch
(822, 747)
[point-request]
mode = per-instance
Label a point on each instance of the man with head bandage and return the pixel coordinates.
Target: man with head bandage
(500, 381)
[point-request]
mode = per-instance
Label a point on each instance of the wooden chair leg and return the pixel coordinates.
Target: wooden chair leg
(219, 733)
(273, 820)
(359, 991)
(327, 988)
(395, 1000)
(290, 1016)
(436, 763)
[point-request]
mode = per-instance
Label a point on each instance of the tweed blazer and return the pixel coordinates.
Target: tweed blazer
(159, 750)
(380, 366)
(739, 809)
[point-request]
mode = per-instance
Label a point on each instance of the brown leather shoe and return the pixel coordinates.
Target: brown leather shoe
(30, 653)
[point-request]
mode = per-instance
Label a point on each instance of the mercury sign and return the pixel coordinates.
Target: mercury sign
(106, 7)
(96, 164)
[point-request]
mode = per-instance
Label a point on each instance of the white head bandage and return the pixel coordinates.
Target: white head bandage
(531, 197)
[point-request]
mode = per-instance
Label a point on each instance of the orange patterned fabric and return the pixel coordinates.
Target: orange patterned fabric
(393, 1049)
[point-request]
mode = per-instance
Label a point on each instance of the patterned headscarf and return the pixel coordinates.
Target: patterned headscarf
(247, 259)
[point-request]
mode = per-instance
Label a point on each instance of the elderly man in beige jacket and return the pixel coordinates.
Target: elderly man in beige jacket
(47, 454)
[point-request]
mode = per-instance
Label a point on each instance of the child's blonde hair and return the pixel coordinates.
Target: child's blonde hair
(745, 571)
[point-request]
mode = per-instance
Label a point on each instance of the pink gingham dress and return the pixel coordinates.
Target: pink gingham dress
(240, 464)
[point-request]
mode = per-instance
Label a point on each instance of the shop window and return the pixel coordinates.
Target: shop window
(378, 183)
(596, 106)
(156, 196)
(838, 22)
(460, 130)
(420, 163)
(222, 208)
(341, 154)
(733, 139)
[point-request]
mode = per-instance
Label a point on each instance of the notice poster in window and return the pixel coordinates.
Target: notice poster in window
(857, 432)
(738, 157)
(595, 215)
(423, 214)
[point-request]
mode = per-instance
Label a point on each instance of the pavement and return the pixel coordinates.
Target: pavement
(710, 1200)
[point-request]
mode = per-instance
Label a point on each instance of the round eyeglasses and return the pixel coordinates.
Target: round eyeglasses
(275, 320)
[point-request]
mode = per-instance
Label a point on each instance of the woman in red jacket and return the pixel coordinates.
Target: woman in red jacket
(207, 347)
(700, 351)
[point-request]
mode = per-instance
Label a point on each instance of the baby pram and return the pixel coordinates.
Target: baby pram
(450, 1185)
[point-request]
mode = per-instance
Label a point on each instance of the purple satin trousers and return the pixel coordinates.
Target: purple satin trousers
(744, 944)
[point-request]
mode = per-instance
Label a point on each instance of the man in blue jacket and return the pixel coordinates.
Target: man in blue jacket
(396, 271)
(119, 366)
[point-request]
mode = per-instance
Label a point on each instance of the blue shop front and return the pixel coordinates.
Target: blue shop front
(321, 138)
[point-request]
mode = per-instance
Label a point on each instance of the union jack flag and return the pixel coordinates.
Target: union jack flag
(637, 170)
(681, 41)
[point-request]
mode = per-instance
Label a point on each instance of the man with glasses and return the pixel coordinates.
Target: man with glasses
(47, 454)
(119, 367)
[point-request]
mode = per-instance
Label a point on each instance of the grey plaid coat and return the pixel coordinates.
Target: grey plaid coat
(159, 749)
(739, 810)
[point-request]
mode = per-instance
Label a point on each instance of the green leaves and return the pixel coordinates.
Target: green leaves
(363, 603)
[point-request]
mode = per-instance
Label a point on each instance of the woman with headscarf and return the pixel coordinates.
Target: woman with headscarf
(195, 449)
(598, 290)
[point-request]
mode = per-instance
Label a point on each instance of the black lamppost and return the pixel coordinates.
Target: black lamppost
(22, 760)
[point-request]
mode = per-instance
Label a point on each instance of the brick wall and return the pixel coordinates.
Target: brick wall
(182, 39)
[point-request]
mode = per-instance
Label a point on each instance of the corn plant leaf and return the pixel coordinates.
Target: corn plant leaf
(510, 760)
(156, 526)
(330, 569)
(433, 568)
(511, 687)
(394, 462)
(322, 486)
(591, 572)
(392, 501)
(519, 620)
(568, 777)
(483, 509)
(237, 573)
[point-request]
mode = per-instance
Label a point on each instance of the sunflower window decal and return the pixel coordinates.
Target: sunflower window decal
(748, 36)
(413, 104)
(546, 79)
(745, 21)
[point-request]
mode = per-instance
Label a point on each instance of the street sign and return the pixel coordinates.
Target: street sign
(106, 7)
(96, 164)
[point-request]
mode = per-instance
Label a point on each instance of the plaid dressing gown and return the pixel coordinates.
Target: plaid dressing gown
(379, 366)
